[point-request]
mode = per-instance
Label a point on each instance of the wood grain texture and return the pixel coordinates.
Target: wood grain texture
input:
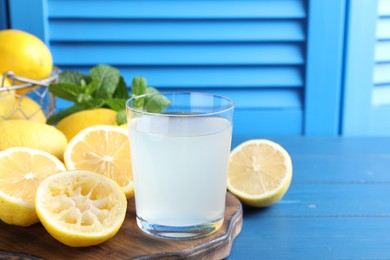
(129, 243)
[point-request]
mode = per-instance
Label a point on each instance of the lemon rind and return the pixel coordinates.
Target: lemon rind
(268, 197)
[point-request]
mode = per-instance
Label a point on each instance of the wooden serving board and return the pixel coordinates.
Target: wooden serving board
(129, 243)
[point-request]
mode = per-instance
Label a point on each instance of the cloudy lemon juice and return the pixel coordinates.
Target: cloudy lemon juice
(180, 168)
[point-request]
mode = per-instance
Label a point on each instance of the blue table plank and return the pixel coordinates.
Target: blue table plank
(337, 206)
(350, 146)
(330, 200)
(317, 169)
(313, 238)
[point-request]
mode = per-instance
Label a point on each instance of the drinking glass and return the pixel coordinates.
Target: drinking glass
(180, 159)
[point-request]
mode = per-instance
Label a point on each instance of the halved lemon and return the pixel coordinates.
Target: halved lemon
(80, 208)
(260, 172)
(105, 150)
(21, 171)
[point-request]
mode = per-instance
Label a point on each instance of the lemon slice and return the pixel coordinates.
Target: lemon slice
(105, 150)
(80, 208)
(22, 169)
(260, 172)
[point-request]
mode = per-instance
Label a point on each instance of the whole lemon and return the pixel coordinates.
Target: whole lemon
(7, 99)
(24, 54)
(27, 108)
(76, 122)
(31, 134)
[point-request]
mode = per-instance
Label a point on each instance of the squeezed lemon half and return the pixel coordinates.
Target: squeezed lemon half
(80, 208)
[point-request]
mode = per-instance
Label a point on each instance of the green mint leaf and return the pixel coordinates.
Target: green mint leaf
(94, 103)
(121, 89)
(83, 84)
(139, 103)
(83, 98)
(156, 103)
(109, 79)
(54, 119)
(138, 86)
(121, 117)
(116, 104)
(68, 91)
(150, 90)
(72, 77)
(91, 87)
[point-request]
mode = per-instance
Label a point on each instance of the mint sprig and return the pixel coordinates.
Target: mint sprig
(102, 87)
(154, 103)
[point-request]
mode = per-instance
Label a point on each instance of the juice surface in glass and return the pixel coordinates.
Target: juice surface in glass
(180, 169)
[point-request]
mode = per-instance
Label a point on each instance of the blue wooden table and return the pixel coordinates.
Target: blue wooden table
(337, 207)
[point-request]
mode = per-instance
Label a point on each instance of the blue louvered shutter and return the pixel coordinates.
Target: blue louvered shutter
(257, 52)
(381, 90)
(367, 88)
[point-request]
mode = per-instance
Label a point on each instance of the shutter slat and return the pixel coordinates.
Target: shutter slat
(278, 99)
(236, 77)
(382, 73)
(178, 54)
(383, 29)
(189, 9)
(179, 31)
(267, 99)
(382, 51)
(255, 123)
(381, 95)
(384, 7)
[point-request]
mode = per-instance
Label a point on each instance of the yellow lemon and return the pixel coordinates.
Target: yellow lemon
(31, 134)
(80, 208)
(24, 54)
(7, 99)
(78, 121)
(21, 170)
(104, 150)
(29, 109)
(260, 172)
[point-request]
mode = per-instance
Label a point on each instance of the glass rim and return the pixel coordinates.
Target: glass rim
(231, 104)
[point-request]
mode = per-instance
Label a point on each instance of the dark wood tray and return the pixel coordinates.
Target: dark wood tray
(129, 243)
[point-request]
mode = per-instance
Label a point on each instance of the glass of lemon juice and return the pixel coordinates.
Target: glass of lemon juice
(180, 158)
